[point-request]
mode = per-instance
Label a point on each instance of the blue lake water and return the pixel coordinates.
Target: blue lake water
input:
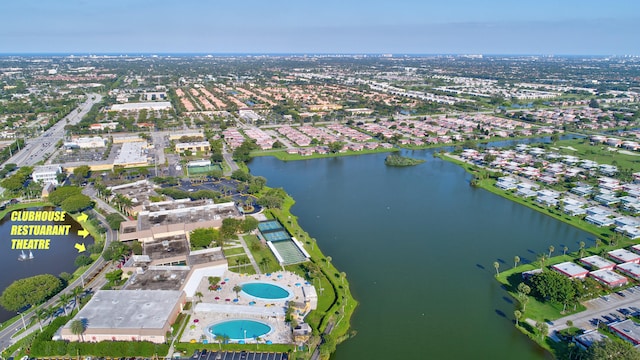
(418, 244)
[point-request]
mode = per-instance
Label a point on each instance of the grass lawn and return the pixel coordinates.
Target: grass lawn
(284, 156)
(335, 303)
(261, 252)
(599, 153)
(233, 251)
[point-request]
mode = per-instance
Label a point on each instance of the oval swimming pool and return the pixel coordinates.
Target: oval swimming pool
(265, 291)
(240, 329)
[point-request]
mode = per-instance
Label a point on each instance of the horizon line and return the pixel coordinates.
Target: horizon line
(378, 54)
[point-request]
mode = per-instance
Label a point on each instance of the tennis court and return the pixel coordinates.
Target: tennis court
(276, 236)
(269, 225)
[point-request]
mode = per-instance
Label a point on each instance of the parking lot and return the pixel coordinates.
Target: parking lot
(238, 355)
(604, 309)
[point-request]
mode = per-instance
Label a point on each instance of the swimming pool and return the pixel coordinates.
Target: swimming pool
(265, 291)
(238, 330)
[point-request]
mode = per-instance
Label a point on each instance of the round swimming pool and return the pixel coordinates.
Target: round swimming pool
(240, 329)
(265, 291)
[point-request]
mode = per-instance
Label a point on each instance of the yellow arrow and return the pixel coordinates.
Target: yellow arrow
(83, 233)
(83, 217)
(80, 247)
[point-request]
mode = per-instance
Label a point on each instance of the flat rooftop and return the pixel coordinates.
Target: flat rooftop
(158, 278)
(152, 105)
(131, 153)
(128, 309)
(597, 262)
(205, 256)
(166, 248)
(184, 212)
(608, 276)
(630, 268)
(628, 330)
(623, 256)
(570, 269)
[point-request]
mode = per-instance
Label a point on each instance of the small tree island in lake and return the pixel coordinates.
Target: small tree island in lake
(397, 160)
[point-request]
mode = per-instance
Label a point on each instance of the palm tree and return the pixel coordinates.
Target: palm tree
(598, 242)
(517, 314)
(564, 250)
(524, 302)
(78, 327)
(257, 341)
(76, 294)
(543, 328)
(496, 265)
(265, 263)
(219, 339)
(199, 295)
(551, 249)
(63, 299)
(542, 258)
(237, 290)
(516, 260)
(343, 275)
(582, 245)
(41, 313)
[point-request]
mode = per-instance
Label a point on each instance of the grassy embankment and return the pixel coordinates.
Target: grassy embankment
(284, 156)
(335, 303)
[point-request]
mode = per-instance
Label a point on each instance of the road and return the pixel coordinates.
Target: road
(36, 149)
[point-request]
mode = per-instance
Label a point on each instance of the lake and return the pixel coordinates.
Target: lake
(58, 258)
(418, 246)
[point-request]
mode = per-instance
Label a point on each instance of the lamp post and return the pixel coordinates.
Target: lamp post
(24, 325)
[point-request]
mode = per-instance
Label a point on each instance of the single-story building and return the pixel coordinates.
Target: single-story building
(609, 278)
(597, 262)
(628, 330)
(126, 315)
(630, 269)
(623, 256)
(571, 270)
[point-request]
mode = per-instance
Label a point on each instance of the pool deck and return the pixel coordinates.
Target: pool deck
(269, 311)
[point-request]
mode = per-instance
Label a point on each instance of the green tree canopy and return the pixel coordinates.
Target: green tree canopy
(76, 203)
(29, 291)
(16, 181)
(114, 220)
(552, 286)
(82, 172)
(241, 175)
(248, 224)
(62, 193)
(612, 349)
(202, 238)
(115, 251)
(336, 146)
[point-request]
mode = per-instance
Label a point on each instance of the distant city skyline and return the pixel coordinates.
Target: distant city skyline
(545, 27)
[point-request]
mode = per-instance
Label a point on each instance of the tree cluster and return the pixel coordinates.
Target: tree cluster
(29, 291)
(70, 199)
(241, 153)
(555, 287)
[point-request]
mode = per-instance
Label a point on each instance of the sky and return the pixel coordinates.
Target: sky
(545, 27)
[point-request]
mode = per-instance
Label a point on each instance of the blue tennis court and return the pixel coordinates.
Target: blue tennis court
(276, 236)
(269, 225)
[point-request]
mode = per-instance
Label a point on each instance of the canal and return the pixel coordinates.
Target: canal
(418, 246)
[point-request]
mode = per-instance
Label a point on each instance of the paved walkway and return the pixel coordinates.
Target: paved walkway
(224, 304)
